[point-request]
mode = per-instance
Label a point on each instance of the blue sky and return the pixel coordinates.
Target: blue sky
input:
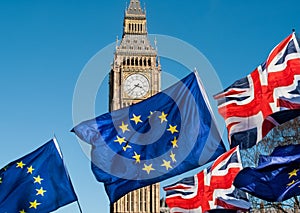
(45, 46)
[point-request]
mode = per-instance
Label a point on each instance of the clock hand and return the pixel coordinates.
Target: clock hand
(135, 86)
(138, 85)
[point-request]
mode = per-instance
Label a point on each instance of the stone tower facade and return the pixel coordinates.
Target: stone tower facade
(135, 76)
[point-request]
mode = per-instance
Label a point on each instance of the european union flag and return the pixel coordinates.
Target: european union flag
(37, 182)
(158, 138)
(276, 176)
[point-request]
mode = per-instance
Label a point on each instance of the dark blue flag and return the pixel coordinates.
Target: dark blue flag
(37, 182)
(158, 138)
(276, 178)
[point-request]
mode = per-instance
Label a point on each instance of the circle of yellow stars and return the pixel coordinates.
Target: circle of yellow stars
(137, 119)
(37, 180)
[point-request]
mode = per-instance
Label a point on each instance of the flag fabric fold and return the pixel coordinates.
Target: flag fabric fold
(249, 104)
(210, 189)
(165, 135)
(37, 182)
(276, 178)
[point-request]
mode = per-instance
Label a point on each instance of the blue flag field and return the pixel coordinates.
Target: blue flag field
(37, 182)
(277, 176)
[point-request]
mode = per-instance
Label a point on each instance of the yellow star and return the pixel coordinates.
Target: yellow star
(172, 155)
(174, 142)
(291, 183)
(0, 180)
(22, 211)
(148, 169)
(151, 113)
(126, 147)
(293, 173)
(38, 179)
(40, 191)
(34, 204)
(172, 129)
(20, 164)
(163, 117)
(137, 157)
(136, 119)
(120, 140)
(167, 164)
(124, 127)
(30, 169)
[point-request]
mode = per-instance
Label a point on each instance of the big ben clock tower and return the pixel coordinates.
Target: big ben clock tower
(135, 76)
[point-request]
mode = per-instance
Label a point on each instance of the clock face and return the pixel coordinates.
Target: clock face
(136, 86)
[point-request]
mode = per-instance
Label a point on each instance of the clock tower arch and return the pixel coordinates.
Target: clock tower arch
(135, 76)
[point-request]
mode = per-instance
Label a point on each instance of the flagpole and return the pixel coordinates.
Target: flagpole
(206, 99)
(80, 210)
(79, 207)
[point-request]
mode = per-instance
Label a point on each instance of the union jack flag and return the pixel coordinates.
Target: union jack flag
(210, 189)
(267, 97)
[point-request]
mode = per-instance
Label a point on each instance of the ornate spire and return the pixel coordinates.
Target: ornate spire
(135, 8)
(135, 19)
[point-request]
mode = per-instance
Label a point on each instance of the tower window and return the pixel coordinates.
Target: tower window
(136, 62)
(149, 62)
(128, 198)
(128, 61)
(145, 204)
(131, 202)
(132, 61)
